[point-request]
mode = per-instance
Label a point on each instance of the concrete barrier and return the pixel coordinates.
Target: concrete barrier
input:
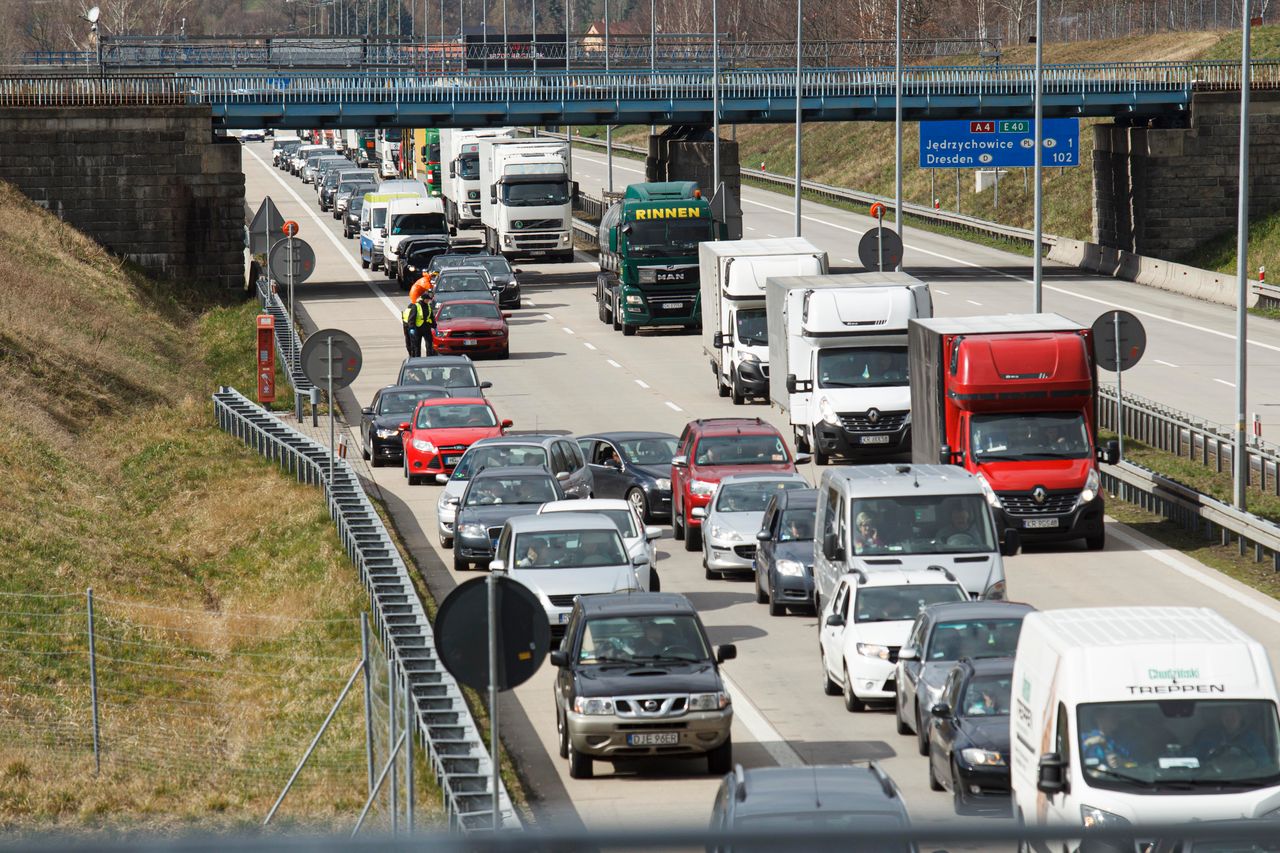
(1206, 285)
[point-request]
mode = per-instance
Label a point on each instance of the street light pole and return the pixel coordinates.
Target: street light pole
(608, 127)
(1037, 264)
(715, 98)
(897, 127)
(1241, 459)
(653, 39)
(799, 39)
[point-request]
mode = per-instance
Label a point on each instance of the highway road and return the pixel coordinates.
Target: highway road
(568, 372)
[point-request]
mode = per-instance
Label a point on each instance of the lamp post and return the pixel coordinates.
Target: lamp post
(653, 39)
(897, 127)
(799, 38)
(715, 98)
(1241, 457)
(568, 49)
(608, 127)
(1037, 265)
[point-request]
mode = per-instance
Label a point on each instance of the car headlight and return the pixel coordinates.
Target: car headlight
(872, 650)
(633, 299)
(828, 412)
(702, 488)
(709, 701)
(423, 445)
(790, 568)
(592, 706)
(718, 532)
(663, 484)
(388, 433)
(982, 757)
(477, 530)
(750, 358)
(1091, 485)
(987, 492)
(1093, 818)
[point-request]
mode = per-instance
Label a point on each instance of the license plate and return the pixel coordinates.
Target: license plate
(452, 460)
(468, 343)
(653, 739)
(673, 305)
(1034, 523)
(874, 439)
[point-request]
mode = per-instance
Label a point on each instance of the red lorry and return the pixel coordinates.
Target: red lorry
(1013, 400)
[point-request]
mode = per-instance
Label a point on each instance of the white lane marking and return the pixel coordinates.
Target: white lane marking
(749, 228)
(567, 330)
(1225, 382)
(642, 383)
(1165, 363)
(333, 238)
(774, 236)
(673, 406)
(759, 727)
(971, 302)
(850, 261)
(1207, 577)
(942, 292)
(548, 317)
(613, 363)
(588, 346)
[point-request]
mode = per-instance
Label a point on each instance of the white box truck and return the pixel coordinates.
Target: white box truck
(838, 361)
(734, 329)
(1141, 715)
(460, 166)
(526, 198)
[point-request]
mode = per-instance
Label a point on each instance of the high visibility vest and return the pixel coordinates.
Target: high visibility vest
(414, 315)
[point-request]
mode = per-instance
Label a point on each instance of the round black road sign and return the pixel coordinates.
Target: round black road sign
(291, 257)
(462, 633)
(346, 354)
(878, 240)
(1132, 340)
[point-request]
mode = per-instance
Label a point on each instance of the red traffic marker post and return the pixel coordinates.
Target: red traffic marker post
(877, 210)
(290, 228)
(266, 367)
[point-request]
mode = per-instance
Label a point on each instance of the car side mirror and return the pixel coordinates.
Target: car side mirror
(831, 548)
(406, 427)
(1111, 453)
(453, 231)
(763, 535)
(367, 410)
(942, 710)
(680, 461)
(725, 652)
(1051, 774)
(506, 315)
(484, 385)
(507, 423)
(497, 566)
(698, 512)
(651, 533)
(559, 659)
(717, 340)
(835, 620)
(640, 560)
(803, 458)
(518, 271)
(908, 653)
(1011, 543)
(453, 501)
(442, 479)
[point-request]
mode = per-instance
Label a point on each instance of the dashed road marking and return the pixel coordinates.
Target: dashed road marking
(588, 345)
(672, 406)
(942, 292)
(971, 302)
(1165, 363)
(613, 363)
(1225, 382)
(642, 383)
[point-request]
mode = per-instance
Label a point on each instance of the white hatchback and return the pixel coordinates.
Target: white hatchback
(636, 536)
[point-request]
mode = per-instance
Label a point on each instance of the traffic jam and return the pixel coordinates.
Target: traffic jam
(939, 447)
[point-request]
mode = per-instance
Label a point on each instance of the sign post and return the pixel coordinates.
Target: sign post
(1119, 340)
(331, 357)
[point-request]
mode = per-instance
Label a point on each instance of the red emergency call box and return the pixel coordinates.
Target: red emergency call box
(266, 358)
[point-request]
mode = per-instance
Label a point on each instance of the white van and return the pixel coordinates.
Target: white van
(411, 217)
(913, 517)
(373, 222)
(1141, 715)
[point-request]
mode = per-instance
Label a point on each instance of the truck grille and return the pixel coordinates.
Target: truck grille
(651, 706)
(859, 422)
(1024, 503)
(537, 224)
(661, 306)
(537, 241)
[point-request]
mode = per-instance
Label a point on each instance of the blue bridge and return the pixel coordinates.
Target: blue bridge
(1127, 91)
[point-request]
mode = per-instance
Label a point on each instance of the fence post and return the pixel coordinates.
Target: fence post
(368, 697)
(93, 687)
(391, 738)
(408, 756)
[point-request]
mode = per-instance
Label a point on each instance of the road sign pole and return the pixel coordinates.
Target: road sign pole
(1115, 319)
(880, 238)
(897, 128)
(331, 449)
(715, 99)
(799, 39)
(1037, 265)
(368, 699)
(1241, 459)
(289, 266)
(492, 590)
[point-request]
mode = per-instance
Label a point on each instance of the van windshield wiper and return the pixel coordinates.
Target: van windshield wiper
(1110, 771)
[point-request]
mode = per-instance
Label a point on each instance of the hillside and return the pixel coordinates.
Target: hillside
(227, 614)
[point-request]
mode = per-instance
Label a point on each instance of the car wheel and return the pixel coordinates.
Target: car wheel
(446, 542)
(761, 598)
(580, 766)
(922, 735)
(677, 529)
(934, 784)
(1096, 543)
(505, 354)
(415, 480)
(829, 687)
(899, 723)
(739, 398)
(639, 503)
(720, 759)
(364, 264)
(367, 453)
(655, 582)
(776, 608)
(851, 700)
(563, 731)
(692, 538)
(958, 804)
(460, 565)
(706, 570)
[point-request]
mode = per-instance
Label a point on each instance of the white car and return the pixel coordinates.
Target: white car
(636, 536)
(502, 452)
(866, 622)
(732, 519)
(562, 555)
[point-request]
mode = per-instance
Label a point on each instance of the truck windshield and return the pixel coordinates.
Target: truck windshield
(667, 238)
(419, 223)
(539, 194)
(752, 327)
(930, 524)
(862, 367)
(1212, 745)
(1038, 435)
(469, 167)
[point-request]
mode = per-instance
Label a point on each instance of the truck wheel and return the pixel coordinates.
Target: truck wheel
(364, 264)
(628, 331)
(720, 759)
(802, 442)
(721, 388)
(739, 398)
(1096, 543)
(566, 257)
(615, 310)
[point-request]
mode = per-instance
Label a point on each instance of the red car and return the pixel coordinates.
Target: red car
(713, 448)
(441, 431)
(470, 327)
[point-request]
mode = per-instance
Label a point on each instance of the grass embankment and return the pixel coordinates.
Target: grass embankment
(227, 614)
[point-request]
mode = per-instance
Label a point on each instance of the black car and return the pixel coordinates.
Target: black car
(348, 190)
(632, 465)
(351, 221)
(380, 421)
(455, 372)
(783, 562)
(506, 287)
(969, 736)
(638, 678)
(846, 797)
(493, 496)
(415, 256)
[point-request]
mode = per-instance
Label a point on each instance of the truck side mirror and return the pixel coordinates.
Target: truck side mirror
(1011, 543)
(717, 340)
(573, 191)
(493, 193)
(791, 383)
(944, 454)
(1110, 454)
(831, 548)
(727, 651)
(1051, 776)
(453, 173)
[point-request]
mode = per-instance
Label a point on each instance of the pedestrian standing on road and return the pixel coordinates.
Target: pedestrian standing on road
(421, 287)
(414, 318)
(428, 329)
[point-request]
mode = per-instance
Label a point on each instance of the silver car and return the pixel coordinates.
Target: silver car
(732, 519)
(636, 536)
(498, 452)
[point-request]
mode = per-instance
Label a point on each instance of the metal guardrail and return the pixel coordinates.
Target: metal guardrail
(455, 751)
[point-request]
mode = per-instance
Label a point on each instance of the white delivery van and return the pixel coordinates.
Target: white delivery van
(1141, 715)
(907, 517)
(411, 217)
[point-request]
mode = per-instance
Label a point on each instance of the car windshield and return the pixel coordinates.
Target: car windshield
(741, 450)
(752, 496)
(637, 639)
(527, 489)
(452, 376)
(419, 223)
(468, 310)
(353, 186)
(441, 262)
(453, 282)
(469, 167)
(623, 520)
(648, 451)
(862, 367)
(356, 204)
(1179, 744)
(797, 526)
(987, 696)
(752, 327)
(958, 524)
(477, 458)
(403, 402)
(456, 416)
(553, 191)
(903, 603)
(973, 638)
(578, 549)
(667, 237)
(1037, 435)
(495, 266)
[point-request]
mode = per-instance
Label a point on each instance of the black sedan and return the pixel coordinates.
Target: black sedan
(784, 555)
(969, 736)
(380, 420)
(494, 495)
(632, 465)
(351, 221)
(415, 256)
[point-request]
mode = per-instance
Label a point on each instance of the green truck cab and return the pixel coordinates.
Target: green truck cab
(649, 256)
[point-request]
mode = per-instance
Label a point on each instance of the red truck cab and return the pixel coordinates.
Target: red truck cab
(711, 449)
(1013, 400)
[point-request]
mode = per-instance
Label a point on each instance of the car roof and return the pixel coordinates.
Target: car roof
(797, 498)
(433, 360)
(853, 787)
(979, 610)
(513, 471)
(561, 522)
(519, 438)
(453, 401)
(624, 436)
(734, 426)
(763, 477)
(589, 505)
(900, 577)
(635, 604)
(472, 302)
(412, 387)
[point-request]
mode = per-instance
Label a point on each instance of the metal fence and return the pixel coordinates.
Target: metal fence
(454, 749)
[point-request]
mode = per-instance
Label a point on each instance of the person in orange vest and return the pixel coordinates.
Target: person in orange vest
(422, 287)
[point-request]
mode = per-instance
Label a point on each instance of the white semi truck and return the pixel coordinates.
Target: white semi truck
(526, 198)
(838, 361)
(734, 331)
(460, 169)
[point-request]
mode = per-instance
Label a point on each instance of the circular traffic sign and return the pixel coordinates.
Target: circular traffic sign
(290, 228)
(291, 259)
(346, 358)
(877, 210)
(1118, 333)
(873, 243)
(462, 631)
